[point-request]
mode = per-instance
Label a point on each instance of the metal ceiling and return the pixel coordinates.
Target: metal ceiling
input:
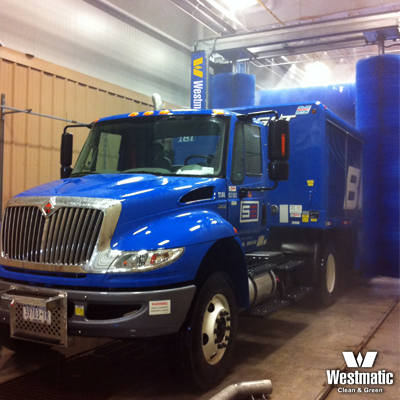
(304, 38)
(281, 41)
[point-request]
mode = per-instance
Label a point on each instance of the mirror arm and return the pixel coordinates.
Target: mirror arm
(243, 191)
(77, 126)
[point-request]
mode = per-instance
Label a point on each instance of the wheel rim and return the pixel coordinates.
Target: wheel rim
(216, 329)
(330, 273)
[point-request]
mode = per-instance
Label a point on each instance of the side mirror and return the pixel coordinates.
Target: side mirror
(66, 154)
(278, 150)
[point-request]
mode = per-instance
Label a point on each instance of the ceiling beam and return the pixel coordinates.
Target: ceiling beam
(205, 16)
(307, 48)
(351, 28)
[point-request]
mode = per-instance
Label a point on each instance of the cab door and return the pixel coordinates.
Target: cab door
(248, 214)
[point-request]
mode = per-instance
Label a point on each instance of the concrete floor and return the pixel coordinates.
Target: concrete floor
(293, 348)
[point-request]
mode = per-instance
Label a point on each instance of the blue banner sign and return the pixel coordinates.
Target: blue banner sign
(198, 83)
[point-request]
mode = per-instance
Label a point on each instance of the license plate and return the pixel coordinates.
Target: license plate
(36, 314)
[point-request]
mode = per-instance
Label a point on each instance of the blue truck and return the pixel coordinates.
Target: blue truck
(173, 222)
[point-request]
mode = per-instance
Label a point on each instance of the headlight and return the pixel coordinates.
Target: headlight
(143, 260)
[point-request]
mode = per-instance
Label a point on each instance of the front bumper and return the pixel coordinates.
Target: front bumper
(119, 315)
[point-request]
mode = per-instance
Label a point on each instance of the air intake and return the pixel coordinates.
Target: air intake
(200, 194)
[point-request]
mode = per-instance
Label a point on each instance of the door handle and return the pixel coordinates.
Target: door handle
(264, 215)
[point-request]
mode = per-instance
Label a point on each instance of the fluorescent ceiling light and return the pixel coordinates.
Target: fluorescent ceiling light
(227, 13)
(317, 74)
(239, 4)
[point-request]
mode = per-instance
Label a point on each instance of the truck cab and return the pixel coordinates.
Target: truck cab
(166, 226)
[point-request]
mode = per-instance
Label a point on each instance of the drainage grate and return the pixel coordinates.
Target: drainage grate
(99, 374)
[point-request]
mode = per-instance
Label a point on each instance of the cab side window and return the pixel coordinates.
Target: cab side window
(246, 158)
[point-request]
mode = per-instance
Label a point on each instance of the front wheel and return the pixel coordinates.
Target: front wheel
(207, 341)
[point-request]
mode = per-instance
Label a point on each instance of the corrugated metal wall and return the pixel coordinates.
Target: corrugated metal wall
(32, 143)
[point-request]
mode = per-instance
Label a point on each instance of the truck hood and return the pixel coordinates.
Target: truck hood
(141, 195)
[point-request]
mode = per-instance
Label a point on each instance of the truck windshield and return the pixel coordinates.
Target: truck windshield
(162, 145)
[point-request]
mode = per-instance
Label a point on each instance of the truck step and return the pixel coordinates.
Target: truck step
(269, 256)
(271, 306)
(299, 293)
(268, 266)
(268, 308)
(290, 265)
(260, 268)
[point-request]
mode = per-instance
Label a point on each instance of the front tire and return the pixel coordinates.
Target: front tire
(206, 342)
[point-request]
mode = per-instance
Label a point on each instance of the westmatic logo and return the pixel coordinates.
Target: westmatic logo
(197, 67)
(338, 377)
(366, 362)
(198, 81)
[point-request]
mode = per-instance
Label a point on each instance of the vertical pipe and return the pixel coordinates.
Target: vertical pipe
(381, 44)
(234, 67)
(207, 64)
(2, 125)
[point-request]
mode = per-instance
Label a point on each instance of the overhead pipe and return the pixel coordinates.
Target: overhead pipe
(194, 17)
(206, 10)
(224, 12)
(106, 4)
(218, 25)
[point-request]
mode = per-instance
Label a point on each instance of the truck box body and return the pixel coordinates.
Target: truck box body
(324, 187)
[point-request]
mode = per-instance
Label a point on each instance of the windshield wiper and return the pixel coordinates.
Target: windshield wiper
(77, 174)
(129, 171)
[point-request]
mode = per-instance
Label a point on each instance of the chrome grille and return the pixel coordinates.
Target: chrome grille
(66, 237)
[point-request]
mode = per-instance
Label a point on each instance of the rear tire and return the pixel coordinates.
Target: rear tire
(205, 343)
(328, 276)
